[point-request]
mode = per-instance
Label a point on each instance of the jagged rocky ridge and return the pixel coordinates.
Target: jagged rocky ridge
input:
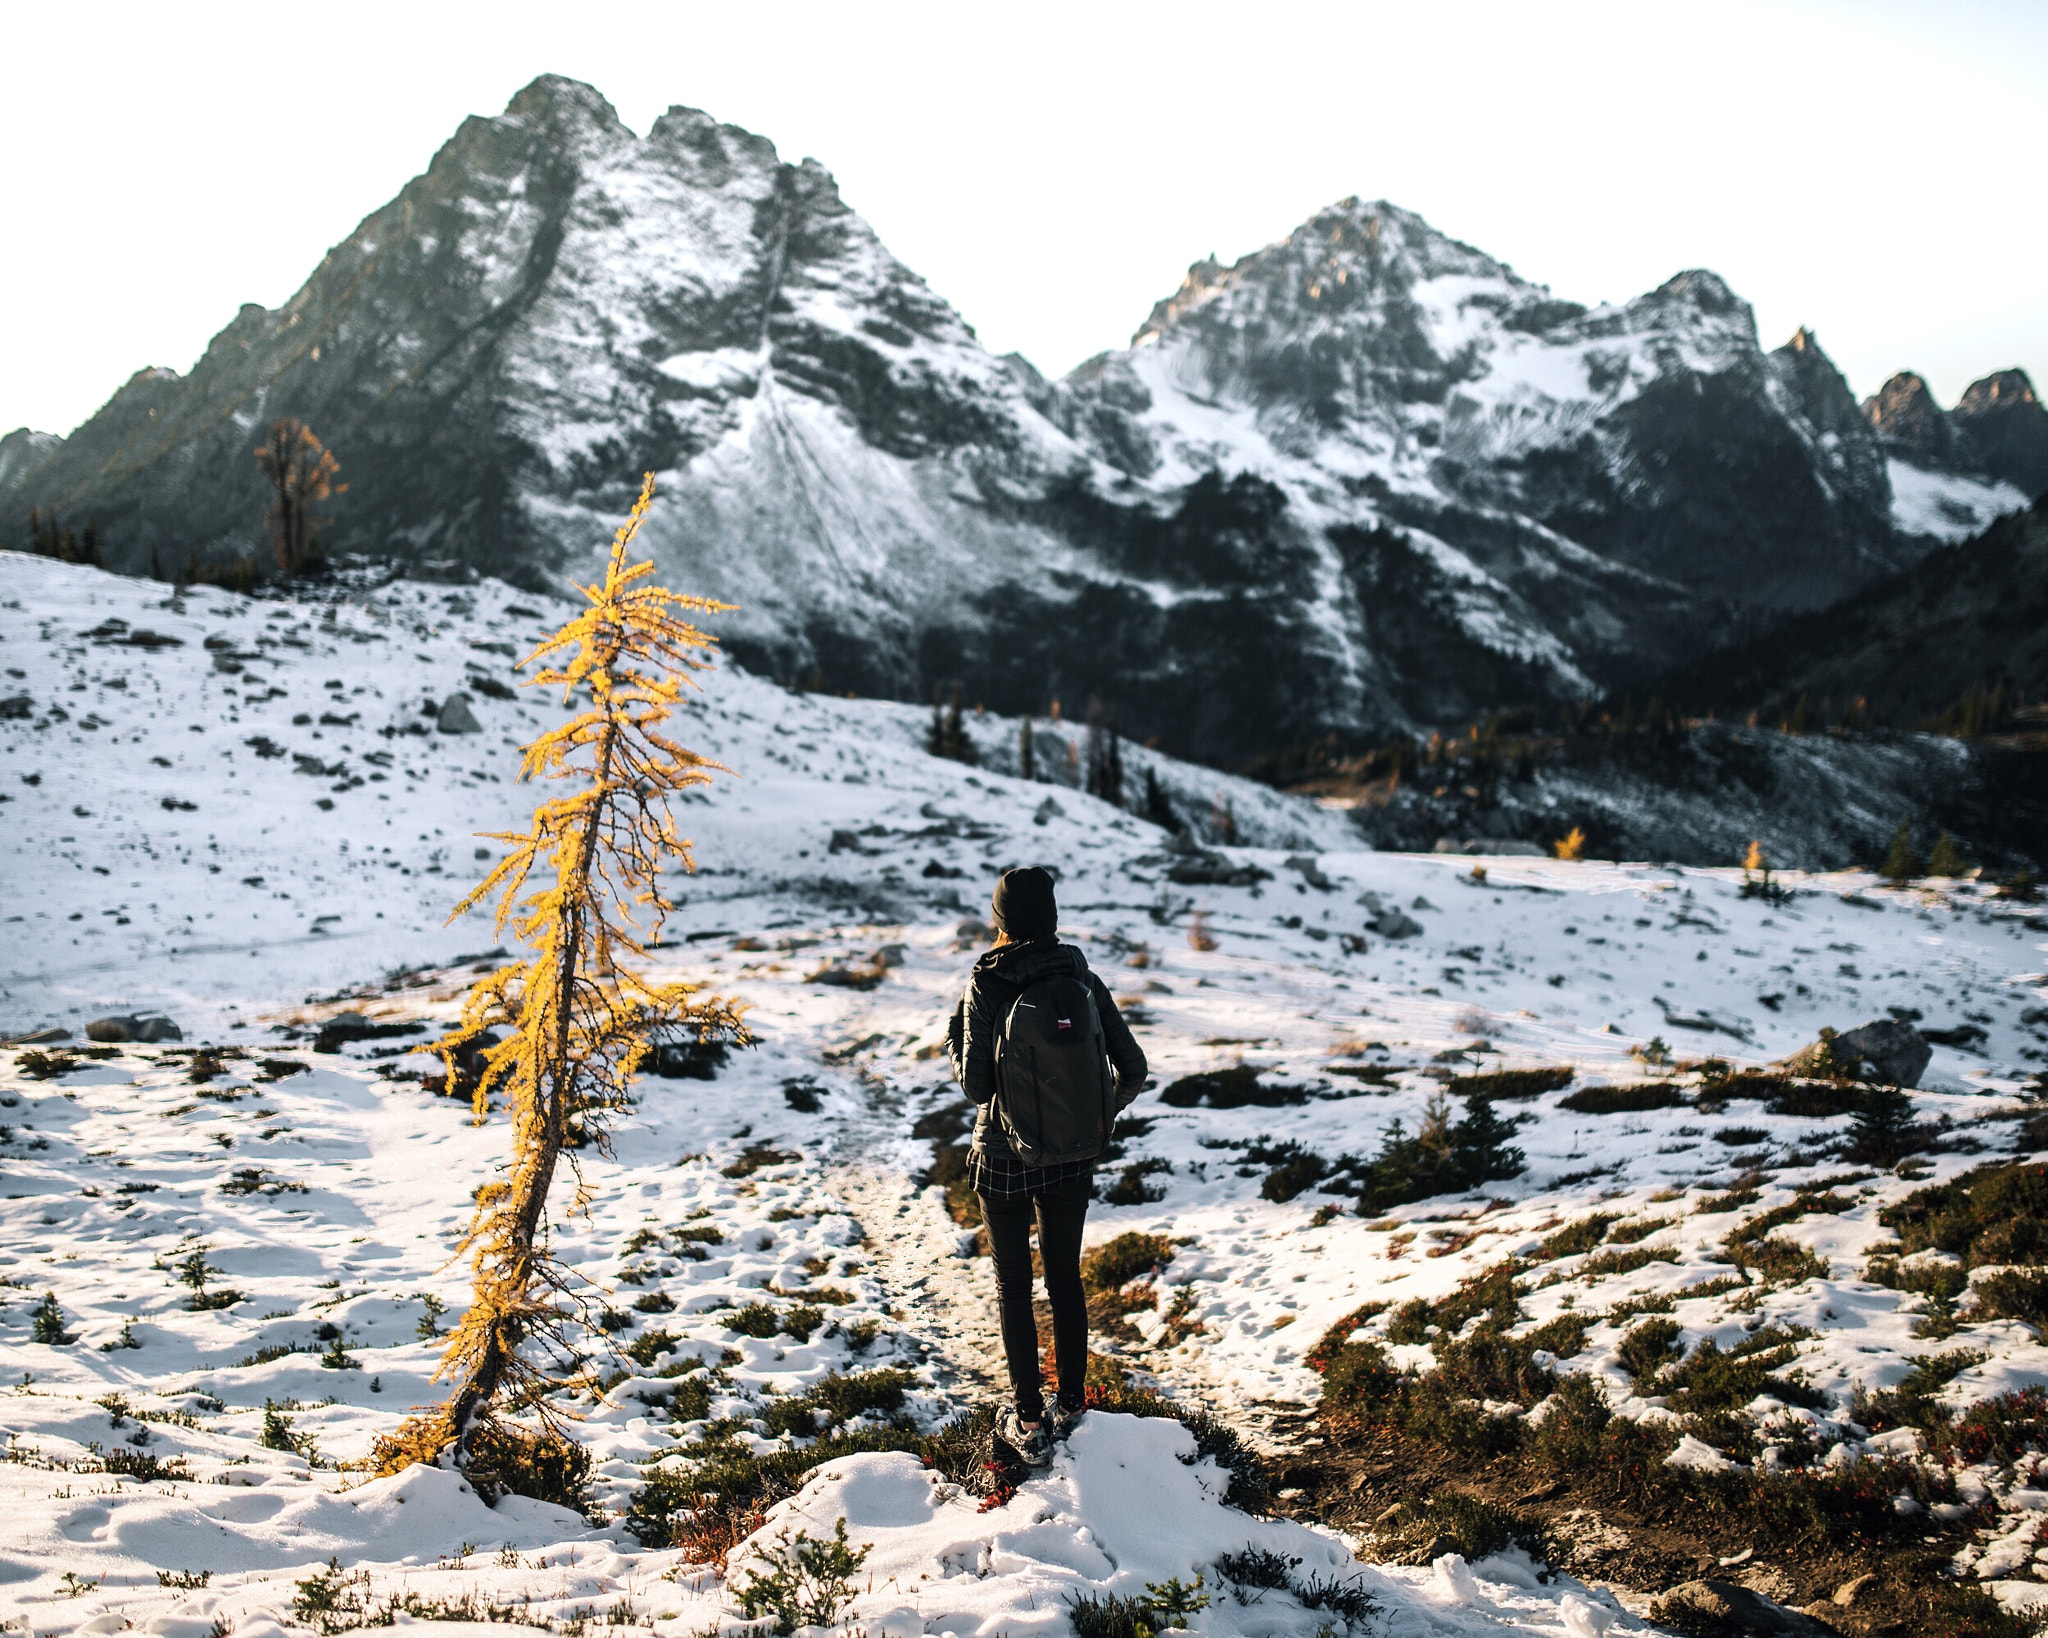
(1365, 478)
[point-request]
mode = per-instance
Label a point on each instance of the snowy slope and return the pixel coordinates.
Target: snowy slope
(835, 838)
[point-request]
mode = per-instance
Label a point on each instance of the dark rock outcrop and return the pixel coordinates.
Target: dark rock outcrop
(1905, 416)
(2006, 425)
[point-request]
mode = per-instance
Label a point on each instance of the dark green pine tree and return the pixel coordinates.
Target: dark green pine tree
(1884, 1132)
(1157, 808)
(1480, 1142)
(1900, 863)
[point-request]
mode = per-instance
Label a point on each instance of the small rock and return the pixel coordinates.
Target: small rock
(1394, 924)
(16, 706)
(689, 1060)
(455, 716)
(1849, 1591)
(144, 1027)
(1310, 872)
(840, 974)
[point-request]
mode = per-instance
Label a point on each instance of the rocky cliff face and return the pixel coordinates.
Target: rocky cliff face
(1997, 430)
(1366, 477)
(2003, 420)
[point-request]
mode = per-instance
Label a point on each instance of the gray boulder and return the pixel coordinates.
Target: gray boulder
(1201, 868)
(1722, 1609)
(1885, 1052)
(1390, 921)
(145, 1028)
(455, 716)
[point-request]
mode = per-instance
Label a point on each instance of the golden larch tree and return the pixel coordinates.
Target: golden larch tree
(301, 472)
(582, 890)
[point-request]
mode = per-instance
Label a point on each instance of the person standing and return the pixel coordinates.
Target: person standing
(1039, 1046)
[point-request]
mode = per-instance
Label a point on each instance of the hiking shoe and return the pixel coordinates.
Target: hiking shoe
(1031, 1445)
(1061, 1417)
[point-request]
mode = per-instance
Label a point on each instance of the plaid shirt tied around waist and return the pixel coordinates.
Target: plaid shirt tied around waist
(995, 1171)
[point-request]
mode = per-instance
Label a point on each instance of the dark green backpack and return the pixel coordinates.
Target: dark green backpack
(1055, 1095)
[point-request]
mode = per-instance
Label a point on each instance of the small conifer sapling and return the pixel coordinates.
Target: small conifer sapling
(47, 1323)
(1945, 858)
(573, 1021)
(1901, 864)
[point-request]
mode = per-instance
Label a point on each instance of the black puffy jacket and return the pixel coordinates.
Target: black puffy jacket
(999, 977)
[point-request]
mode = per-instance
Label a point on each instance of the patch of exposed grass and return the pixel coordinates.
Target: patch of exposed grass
(1234, 1087)
(947, 1129)
(836, 1399)
(1637, 1099)
(758, 1157)
(1115, 1263)
(1512, 1084)
(1994, 1215)
(1426, 1528)
(1130, 1188)
(1576, 1238)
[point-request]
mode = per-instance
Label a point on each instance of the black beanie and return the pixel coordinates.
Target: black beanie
(1023, 905)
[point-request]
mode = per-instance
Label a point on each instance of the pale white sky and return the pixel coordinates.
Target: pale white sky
(1871, 169)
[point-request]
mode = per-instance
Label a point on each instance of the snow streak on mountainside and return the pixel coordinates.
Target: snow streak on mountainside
(1366, 477)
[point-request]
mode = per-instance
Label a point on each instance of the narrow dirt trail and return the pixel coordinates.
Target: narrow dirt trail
(913, 1246)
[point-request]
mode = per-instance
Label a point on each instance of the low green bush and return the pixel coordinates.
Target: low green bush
(1647, 1349)
(1995, 1214)
(800, 1581)
(1443, 1157)
(1292, 1169)
(1475, 1527)
(838, 1398)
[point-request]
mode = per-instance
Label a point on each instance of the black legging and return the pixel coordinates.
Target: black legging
(1061, 1213)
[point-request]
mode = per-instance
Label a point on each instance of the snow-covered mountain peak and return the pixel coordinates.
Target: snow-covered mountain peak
(1367, 476)
(555, 100)
(1364, 304)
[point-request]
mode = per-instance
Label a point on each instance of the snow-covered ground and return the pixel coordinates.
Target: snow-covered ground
(258, 825)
